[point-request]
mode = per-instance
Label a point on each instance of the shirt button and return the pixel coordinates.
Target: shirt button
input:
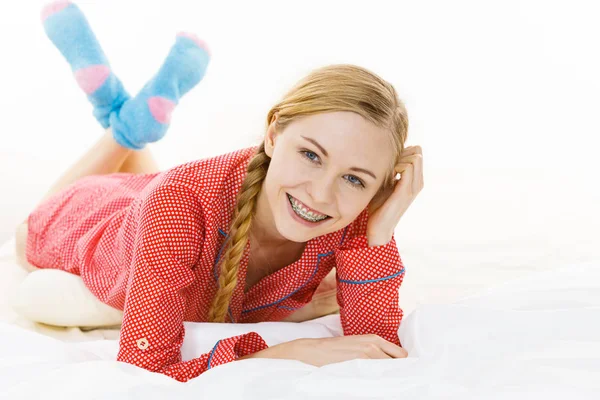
(142, 344)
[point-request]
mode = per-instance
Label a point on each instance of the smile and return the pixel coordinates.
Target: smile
(303, 212)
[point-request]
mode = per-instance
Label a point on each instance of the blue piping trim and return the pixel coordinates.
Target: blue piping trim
(373, 280)
(343, 236)
(211, 353)
(295, 291)
(289, 308)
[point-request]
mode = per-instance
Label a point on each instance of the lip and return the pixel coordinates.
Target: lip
(300, 220)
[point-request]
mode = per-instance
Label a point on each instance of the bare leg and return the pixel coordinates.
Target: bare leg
(140, 162)
(105, 157)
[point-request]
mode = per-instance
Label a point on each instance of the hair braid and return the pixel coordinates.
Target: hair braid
(238, 233)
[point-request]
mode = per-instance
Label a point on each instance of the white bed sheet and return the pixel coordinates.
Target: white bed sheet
(532, 337)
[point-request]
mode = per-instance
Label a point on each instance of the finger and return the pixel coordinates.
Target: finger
(417, 161)
(405, 170)
(418, 175)
(403, 166)
(403, 187)
(392, 349)
(375, 352)
(412, 150)
(411, 158)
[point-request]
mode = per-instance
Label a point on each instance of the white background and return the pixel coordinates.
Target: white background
(502, 96)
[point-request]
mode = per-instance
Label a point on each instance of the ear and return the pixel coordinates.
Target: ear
(271, 137)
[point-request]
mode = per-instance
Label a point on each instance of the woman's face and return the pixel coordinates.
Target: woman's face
(331, 164)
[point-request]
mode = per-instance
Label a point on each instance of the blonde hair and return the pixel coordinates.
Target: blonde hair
(338, 87)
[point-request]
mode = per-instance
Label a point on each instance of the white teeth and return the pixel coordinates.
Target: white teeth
(304, 213)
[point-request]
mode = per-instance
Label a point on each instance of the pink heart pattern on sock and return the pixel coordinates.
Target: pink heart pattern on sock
(201, 43)
(53, 8)
(91, 78)
(161, 108)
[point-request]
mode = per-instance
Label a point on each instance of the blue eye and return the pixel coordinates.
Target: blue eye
(312, 159)
(356, 181)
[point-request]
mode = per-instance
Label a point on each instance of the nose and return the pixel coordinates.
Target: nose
(322, 191)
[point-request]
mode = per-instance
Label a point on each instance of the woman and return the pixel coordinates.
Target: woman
(246, 236)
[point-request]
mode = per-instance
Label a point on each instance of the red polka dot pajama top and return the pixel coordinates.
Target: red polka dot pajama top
(149, 244)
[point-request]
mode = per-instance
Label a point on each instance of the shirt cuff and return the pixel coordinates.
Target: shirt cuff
(230, 349)
(357, 262)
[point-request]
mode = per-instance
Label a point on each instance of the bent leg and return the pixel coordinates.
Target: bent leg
(140, 162)
(106, 156)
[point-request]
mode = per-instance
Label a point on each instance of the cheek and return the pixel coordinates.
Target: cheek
(353, 203)
(349, 209)
(279, 181)
(285, 175)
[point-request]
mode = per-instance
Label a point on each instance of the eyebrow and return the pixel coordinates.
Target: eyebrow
(313, 141)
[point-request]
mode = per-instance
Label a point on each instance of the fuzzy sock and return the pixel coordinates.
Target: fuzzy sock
(146, 117)
(68, 29)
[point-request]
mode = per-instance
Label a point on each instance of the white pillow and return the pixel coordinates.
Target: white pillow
(200, 337)
(49, 296)
(56, 297)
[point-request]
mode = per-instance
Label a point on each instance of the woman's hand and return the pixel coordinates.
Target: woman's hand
(323, 351)
(384, 219)
(323, 302)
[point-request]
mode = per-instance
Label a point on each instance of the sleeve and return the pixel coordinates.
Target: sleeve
(368, 281)
(167, 244)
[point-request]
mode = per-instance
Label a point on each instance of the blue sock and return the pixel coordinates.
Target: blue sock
(146, 117)
(68, 29)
